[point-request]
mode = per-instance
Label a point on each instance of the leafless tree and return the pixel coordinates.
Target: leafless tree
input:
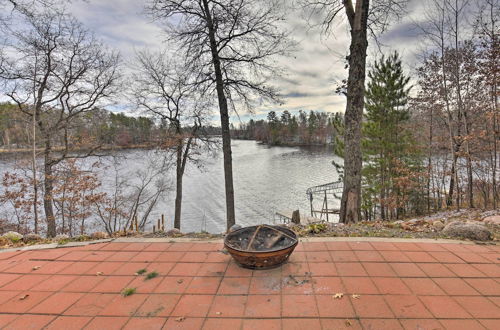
(146, 187)
(165, 89)
(55, 71)
(131, 194)
(112, 209)
(9, 9)
(230, 45)
(363, 16)
(488, 30)
(446, 29)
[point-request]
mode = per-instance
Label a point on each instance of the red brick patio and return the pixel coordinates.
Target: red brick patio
(395, 286)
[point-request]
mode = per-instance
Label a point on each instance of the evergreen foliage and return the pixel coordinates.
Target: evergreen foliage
(391, 158)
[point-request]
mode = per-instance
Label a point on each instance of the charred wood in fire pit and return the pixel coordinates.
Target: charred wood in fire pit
(260, 238)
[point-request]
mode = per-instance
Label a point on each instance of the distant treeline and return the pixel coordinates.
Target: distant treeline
(313, 128)
(97, 127)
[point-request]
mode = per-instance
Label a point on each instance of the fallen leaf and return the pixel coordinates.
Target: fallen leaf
(180, 319)
(180, 281)
(348, 323)
(24, 297)
(99, 273)
(338, 295)
(36, 267)
(218, 313)
(356, 296)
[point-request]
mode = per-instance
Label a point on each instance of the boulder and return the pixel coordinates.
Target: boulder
(438, 225)
(61, 238)
(492, 220)
(472, 231)
(173, 232)
(13, 236)
(99, 235)
(416, 222)
(30, 238)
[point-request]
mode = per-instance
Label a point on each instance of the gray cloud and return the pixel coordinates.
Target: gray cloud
(311, 74)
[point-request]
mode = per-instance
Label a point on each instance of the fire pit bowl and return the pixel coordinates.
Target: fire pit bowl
(261, 247)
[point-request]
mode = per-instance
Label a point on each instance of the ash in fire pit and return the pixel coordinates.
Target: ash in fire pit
(261, 246)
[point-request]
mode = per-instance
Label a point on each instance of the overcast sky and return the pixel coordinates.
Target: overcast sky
(312, 74)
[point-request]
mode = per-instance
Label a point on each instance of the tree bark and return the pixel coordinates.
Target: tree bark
(35, 183)
(470, 179)
(494, 97)
(49, 187)
(224, 118)
(429, 162)
(351, 197)
(449, 198)
(461, 109)
(178, 187)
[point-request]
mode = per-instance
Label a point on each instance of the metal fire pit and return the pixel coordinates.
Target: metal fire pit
(261, 247)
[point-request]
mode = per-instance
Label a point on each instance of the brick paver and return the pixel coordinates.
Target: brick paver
(384, 285)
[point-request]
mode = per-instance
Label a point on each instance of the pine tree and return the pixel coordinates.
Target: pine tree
(388, 148)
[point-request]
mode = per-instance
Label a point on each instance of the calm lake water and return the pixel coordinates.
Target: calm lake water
(266, 180)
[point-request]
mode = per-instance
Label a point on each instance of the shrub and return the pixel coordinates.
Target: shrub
(4, 241)
(13, 236)
(82, 238)
(62, 239)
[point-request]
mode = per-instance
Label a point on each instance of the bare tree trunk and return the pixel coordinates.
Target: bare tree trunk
(351, 196)
(470, 179)
(496, 137)
(49, 187)
(449, 198)
(494, 94)
(224, 118)
(35, 183)
(429, 161)
(461, 110)
(178, 187)
(63, 216)
(383, 195)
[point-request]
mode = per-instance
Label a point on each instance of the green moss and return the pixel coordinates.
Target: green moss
(128, 292)
(151, 275)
